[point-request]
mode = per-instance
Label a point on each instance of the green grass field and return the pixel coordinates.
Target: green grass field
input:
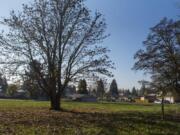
(18, 117)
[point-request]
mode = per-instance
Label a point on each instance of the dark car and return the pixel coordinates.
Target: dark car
(166, 101)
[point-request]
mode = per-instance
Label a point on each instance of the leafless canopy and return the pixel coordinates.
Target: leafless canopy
(62, 36)
(161, 56)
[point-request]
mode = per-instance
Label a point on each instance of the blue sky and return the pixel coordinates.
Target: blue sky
(128, 23)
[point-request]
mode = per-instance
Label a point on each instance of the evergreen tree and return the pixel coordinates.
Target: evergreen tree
(134, 92)
(94, 92)
(82, 87)
(100, 89)
(127, 93)
(113, 89)
(31, 82)
(3, 84)
(12, 89)
(143, 90)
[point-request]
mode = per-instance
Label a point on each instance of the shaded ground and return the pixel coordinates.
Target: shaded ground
(28, 117)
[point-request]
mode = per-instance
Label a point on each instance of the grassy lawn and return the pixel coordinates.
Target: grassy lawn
(34, 118)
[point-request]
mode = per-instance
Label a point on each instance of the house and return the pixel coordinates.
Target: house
(142, 98)
(148, 98)
(123, 98)
(69, 91)
(169, 98)
(20, 94)
(2, 94)
(151, 97)
(1, 88)
(83, 98)
(176, 97)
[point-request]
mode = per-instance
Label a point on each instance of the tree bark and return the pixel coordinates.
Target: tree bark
(55, 103)
(54, 97)
(162, 108)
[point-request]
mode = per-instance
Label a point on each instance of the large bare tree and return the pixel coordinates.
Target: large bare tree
(161, 58)
(62, 36)
(161, 53)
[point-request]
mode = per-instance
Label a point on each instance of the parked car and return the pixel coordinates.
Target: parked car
(160, 101)
(157, 101)
(167, 102)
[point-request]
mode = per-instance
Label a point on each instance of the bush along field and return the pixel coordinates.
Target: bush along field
(34, 118)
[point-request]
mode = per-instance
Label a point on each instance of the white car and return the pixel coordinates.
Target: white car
(157, 101)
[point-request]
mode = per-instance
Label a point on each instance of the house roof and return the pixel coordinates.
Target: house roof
(81, 96)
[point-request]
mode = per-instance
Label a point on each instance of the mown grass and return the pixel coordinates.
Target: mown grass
(18, 117)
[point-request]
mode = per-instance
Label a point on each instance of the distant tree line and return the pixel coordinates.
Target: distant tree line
(100, 90)
(113, 93)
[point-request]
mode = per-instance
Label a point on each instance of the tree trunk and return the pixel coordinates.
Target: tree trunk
(55, 97)
(55, 102)
(162, 108)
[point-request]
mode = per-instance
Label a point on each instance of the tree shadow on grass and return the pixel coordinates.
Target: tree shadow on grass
(92, 123)
(129, 123)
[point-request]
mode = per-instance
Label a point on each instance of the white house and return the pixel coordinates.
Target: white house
(170, 99)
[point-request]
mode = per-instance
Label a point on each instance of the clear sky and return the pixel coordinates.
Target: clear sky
(128, 23)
